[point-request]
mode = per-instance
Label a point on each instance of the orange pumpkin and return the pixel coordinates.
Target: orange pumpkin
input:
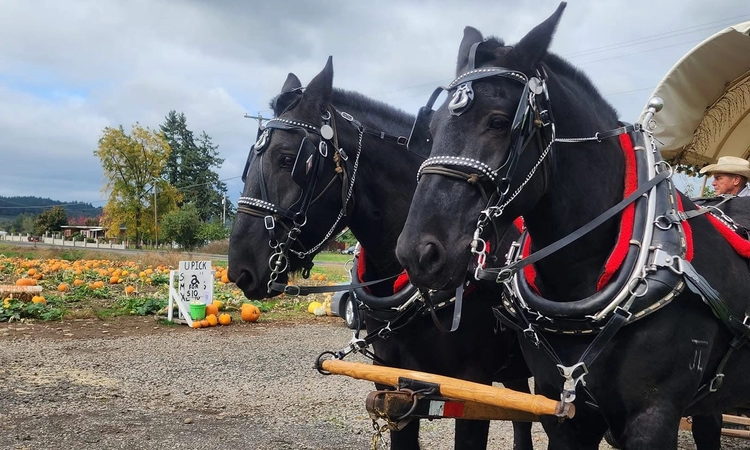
(212, 309)
(249, 313)
(212, 320)
(63, 287)
(129, 289)
(225, 319)
(78, 282)
(39, 299)
(26, 282)
(204, 323)
(196, 324)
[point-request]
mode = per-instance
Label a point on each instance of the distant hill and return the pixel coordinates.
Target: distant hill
(14, 206)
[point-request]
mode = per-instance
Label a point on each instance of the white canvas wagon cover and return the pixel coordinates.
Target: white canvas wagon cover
(707, 101)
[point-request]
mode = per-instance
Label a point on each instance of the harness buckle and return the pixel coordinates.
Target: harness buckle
(383, 332)
(292, 289)
(716, 383)
(545, 118)
(323, 149)
(530, 334)
(402, 140)
(504, 276)
(343, 154)
(269, 222)
(568, 394)
(347, 116)
(664, 259)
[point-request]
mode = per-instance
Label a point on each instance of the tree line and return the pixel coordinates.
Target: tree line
(162, 184)
(161, 187)
(11, 207)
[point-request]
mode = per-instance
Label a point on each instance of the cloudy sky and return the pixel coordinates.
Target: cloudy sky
(69, 69)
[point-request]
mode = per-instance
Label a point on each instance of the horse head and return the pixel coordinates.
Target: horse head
(289, 168)
(490, 139)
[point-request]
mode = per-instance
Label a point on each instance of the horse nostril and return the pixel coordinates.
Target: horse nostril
(431, 255)
(246, 282)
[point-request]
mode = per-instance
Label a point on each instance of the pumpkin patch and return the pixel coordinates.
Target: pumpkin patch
(53, 288)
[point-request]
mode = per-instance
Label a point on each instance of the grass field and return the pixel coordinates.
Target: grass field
(332, 257)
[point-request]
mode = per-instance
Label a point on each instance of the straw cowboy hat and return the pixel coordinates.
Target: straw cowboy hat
(729, 164)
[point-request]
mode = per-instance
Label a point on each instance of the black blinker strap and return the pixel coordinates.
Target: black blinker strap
(493, 275)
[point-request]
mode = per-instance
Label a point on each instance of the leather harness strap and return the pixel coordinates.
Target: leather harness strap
(506, 272)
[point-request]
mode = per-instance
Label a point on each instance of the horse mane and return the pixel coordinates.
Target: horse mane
(372, 112)
(563, 68)
(368, 111)
(494, 48)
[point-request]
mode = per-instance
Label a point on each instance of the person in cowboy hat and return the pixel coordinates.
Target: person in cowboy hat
(730, 176)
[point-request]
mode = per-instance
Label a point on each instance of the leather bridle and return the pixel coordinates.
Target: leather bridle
(532, 121)
(307, 169)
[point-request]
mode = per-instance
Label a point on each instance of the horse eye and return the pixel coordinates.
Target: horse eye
(287, 161)
(498, 122)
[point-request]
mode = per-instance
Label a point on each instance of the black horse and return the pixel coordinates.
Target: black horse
(288, 162)
(535, 131)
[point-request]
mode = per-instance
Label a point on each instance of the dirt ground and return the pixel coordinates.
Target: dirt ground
(132, 383)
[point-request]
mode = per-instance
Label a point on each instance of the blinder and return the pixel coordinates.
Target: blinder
(305, 162)
(420, 138)
(522, 128)
(261, 140)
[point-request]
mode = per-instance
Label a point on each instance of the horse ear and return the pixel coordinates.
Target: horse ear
(471, 37)
(533, 47)
(290, 92)
(291, 83)
(320, 88)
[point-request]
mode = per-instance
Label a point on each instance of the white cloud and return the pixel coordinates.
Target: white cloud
(68, 69)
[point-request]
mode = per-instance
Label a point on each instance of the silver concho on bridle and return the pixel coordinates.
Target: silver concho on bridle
(461, 99)
(262, 140)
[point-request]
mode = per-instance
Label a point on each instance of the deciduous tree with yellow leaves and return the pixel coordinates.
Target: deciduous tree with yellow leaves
(138, 195)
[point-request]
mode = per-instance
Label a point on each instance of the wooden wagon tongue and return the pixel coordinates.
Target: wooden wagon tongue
(446, 397)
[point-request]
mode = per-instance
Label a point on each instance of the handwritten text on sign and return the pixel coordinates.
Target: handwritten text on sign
(196, 281)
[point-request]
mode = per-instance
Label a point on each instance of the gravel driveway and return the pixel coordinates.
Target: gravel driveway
(133, 384)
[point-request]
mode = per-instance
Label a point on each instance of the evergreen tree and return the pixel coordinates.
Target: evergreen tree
(190, 167)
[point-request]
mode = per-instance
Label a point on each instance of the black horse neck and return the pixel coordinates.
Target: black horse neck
(586, 179)
(386, 179)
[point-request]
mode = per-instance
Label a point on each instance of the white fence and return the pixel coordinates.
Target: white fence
(62, 242)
